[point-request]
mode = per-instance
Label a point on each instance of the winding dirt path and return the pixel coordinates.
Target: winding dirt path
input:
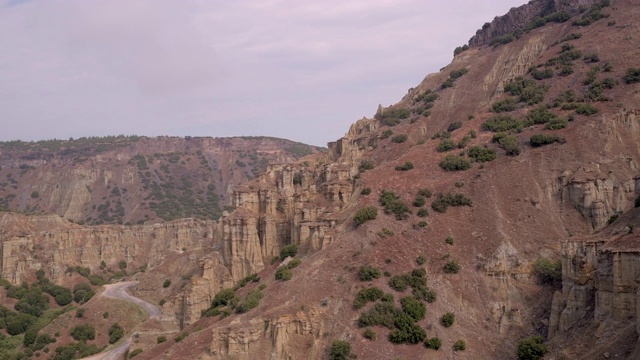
(119, 291)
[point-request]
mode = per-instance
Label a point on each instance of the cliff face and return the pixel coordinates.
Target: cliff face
(600, 286)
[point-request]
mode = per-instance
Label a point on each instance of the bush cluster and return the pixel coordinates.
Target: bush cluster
(365, 214)
(408, 165)
(532, 348)
(394, 205)
(454, 163)
(368, 273)
(538, 140)
(443, 201)
(481, 154)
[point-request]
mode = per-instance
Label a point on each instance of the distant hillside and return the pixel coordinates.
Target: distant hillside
(132, 179)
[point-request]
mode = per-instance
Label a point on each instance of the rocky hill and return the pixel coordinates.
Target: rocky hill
(133, 180)
(490, 213)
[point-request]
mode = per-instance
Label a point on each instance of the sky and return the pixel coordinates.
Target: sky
(301, 70)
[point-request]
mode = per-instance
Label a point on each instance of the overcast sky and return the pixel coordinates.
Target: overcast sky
(302, 70)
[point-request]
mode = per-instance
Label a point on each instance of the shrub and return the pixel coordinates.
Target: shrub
(424, 293)
(500, 123)
(340, 350)
(79, 312)
(442, 202)
(166, 283)
(122, 264)
(538, 140)
(419, 201)
(510, 144)
(451, 267)
(407, 331)
(413, 307)
(181, 336)
(454, 126)
(224, 297)
(425, 193)
(548, 272)
(423, 212)
(386, 134)
(594, 14)
(540, 75)
(366, 165)
(433, 343)
(382, 314)
(447, 319)
(250, 301)
(637, 201)
(294, 263)
(446, 145)
(405, 167)
(288, 250)
(632, 76)
(449, 240)
(134, 353)
(283, 273)
(368, 273)
(527, 90)
(116, 332)
(460, 345)
(454, 163)
(557, 124)
(506, 105)
(365, 214)
(366, 191)
(161, 339)
(502, 40)
(367, 295)
(460, 49)
(393, 205)
(83, 332)
(481, 154)
(399, 138)
(421, 260)
(369, 334)
(531, 348)
(586, 109)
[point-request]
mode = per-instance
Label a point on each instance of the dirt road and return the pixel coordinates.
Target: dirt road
(119, 291)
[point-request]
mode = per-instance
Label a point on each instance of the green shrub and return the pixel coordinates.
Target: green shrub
(366, 165)
(386, 134)
(413, 307)
(134, 353)
(224, 297)
(283, 273)
(382, 314)
(83, 332)
(442, 202)
(433, 343)
(510, 145)
(506, 105)
(166, 283)
(393, 205)
(460, 345)
(586, 109)
(454, 163)
(365, 214)
(181, 337)
(541, 75)
(116, 332)
(481, 154)
(294, 263)
(454, 126)
(399, 283)
(122, 264)
(366, 191)
(421, 260)
(460, 49)
(502, 40)
(367, 295)
(369, 334)
(406, 330)
(527, 90)
(161, 339)
(250, 301)
(399, 138)
(340, 350)
(419, 201)
(80, 312)
(368, 273)
(449, 240)
(594, 14)
(447, 319)
(424, 293)
(500, 123)
(632, 76)
(425, 193)
(446, 145)
(548, 272)
(532, 348)
(288, 250)
(405, 167)
(538, 140)
(557, 124)
(422, 212)
(451, 267)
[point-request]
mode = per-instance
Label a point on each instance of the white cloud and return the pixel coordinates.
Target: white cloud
(293, 69)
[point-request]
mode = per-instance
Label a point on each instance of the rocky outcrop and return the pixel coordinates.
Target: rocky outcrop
(34, 244)
(600, 283)
(517, 19)
(285, 337)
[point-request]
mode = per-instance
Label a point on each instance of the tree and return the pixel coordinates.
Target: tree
(340, 350)
(532, 348)
(83, 332)
(116, 332)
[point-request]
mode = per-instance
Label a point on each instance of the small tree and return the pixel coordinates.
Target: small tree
(365, 214)
(116, 332)
(532, 348)
(166, 283)
(447, 319)
(83, 332)
(289, 250)
(340, 350)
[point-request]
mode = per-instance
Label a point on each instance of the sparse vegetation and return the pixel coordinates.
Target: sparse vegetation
(394, 205)
(451, 267)
(366, 165)
(368, 273)
(446, 145)
(400, 138)
(442, 202)
(538, 140)
(548, 272)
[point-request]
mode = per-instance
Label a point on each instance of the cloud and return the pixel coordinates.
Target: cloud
(293, 69)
